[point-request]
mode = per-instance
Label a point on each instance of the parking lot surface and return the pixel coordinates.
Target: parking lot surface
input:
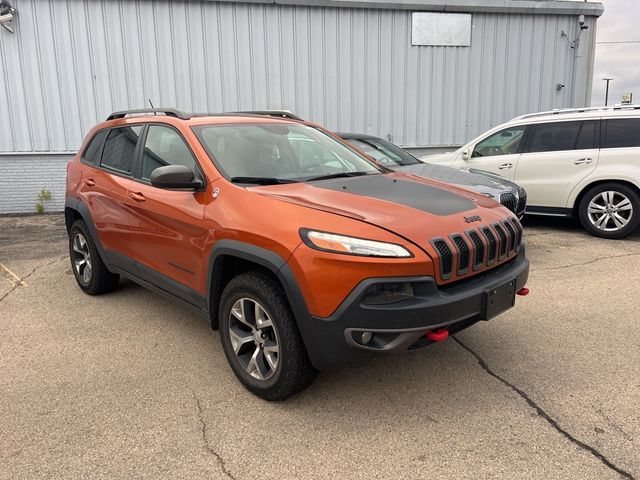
(131, 385)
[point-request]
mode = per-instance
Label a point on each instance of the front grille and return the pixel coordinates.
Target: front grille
(493, 244)
(502, 240)
(478, 248)
(463, 253)
(519, 231)
(446, 257)
(510, 201)
(522, 201)
(511, 233)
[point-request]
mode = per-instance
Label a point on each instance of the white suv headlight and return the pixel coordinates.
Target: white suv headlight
(331, 242)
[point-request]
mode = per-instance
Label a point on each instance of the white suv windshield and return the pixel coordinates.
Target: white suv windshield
(286, 152)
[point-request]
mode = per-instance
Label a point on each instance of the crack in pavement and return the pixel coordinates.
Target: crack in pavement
(587, 263)
(205, 440)
(545, 415)
(21, 279)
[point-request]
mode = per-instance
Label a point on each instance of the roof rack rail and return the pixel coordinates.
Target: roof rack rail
(564, 111)
(269, 113)
(170, 112)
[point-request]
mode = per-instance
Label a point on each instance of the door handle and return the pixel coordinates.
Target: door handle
(505, 165)
(90, 182)
(137, 196)
(583, 161)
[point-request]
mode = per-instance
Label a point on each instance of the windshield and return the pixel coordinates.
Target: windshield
(279, 153)
(386, 153)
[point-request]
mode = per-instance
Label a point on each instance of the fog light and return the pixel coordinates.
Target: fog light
(383, 293)
(366, 337)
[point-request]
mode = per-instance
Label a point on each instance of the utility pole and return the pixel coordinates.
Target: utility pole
(606, 95)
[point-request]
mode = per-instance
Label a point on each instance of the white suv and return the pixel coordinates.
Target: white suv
(576, 162)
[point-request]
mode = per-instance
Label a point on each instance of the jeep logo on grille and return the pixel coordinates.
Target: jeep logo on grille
(473, 218)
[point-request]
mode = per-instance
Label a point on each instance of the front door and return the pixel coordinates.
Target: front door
(166, 227)
(558, 156)
(498, 153)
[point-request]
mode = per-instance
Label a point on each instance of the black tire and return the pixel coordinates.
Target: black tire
(620, 190)
(294, 371)
(100, 279)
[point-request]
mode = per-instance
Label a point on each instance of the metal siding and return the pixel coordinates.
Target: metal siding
(72, 62)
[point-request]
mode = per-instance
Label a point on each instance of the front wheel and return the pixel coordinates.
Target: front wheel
(91, 273)
(610, 210)
(261, 339)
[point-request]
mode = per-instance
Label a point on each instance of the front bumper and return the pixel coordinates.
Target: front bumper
(402, 326)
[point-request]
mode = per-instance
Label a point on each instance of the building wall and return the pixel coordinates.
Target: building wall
(23, 177)
(72, 62)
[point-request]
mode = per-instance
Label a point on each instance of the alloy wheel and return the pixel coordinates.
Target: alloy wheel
(254, 338)
(82, 258)
(610, 211)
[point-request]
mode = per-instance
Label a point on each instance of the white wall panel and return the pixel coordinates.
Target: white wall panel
(72, 62)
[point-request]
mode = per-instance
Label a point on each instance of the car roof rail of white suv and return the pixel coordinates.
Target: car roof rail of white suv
(560, 111)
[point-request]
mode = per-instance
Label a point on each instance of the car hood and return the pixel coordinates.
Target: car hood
(446, 158)
(412, 207)
(476, 180)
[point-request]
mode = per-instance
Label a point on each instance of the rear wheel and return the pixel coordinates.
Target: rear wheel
(610, 210)
(92, 275)
(260, 338)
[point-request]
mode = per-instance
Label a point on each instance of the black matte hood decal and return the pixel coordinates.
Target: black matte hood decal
(427, 198)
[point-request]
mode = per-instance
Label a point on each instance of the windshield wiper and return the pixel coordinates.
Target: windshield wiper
(262, 180)
(337, 175)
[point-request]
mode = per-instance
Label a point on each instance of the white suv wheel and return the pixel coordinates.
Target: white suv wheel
(610, 210)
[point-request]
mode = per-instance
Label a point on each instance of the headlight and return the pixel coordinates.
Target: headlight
(331, 242)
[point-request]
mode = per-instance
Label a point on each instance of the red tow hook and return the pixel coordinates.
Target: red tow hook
(439, 335)
(523, 291)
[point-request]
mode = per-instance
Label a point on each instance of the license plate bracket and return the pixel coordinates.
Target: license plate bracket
(499, 299)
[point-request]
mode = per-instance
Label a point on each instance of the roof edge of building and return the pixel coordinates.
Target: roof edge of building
(540, 7)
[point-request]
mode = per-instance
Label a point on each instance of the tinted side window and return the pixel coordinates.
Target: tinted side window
(373, 152)
(623, 132)
(587, 135)
(165, 146)
(120, 148)
(504, 142)
(90, 155)
(554, 137)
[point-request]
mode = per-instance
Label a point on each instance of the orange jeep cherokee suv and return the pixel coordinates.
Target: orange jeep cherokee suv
(304, 252)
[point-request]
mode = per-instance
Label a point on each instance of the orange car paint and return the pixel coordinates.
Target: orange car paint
(173, 232)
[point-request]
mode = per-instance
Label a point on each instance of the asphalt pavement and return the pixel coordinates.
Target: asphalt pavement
(130, 385)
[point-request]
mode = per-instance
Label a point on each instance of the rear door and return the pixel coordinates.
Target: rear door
(498, 153)
(621, 145)
(167, 231)
(105, 185)
(557, 156)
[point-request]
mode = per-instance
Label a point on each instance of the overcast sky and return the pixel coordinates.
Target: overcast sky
(620, 61)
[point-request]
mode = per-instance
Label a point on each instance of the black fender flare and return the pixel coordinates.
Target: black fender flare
(281, 270)
(85, 214)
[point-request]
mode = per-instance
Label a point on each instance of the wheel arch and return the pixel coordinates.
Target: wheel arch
(75, 209)
(231, 257)
(589, 186)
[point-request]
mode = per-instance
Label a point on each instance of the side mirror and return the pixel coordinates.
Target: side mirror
(465, 155)
(174, 176)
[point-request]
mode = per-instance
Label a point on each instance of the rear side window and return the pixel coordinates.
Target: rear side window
(90, 155)
(119, 149)
(164, 146)
(554, 137)
(588, 135)
(623, 132)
